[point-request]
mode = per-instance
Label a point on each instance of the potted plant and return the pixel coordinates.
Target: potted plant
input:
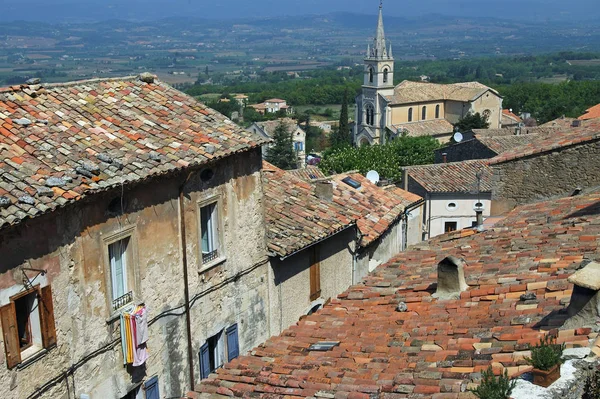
(494, 388)
(546, 358)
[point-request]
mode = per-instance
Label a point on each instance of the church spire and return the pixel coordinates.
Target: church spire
(379, 50)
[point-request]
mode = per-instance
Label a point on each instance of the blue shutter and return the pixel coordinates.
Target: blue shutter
(233, 346)
(151, 388)
(204, 361)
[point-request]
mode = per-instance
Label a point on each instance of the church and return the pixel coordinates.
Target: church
(385, 111)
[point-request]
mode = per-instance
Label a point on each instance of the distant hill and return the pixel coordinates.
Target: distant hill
(72, 11)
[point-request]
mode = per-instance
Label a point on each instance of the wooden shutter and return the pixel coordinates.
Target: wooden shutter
(233, 346)
(204, 361)
(315, 274)
(151, 388)
(10, 331)
(47, 317)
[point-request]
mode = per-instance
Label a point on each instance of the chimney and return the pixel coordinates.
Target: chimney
(479, 214)
(324, 190)
(576, 123)
(584, 308)
(451, 278)
(444, 157)
(405, 179)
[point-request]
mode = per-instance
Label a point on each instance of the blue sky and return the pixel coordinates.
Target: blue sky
(72, 10)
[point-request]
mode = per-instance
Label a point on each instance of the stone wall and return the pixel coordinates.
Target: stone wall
(71, 244)
(545, 175)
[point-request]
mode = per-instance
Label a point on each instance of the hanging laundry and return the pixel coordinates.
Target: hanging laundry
(134, 335)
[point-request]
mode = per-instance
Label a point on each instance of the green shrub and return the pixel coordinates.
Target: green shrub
(493, 387)
(546, 354)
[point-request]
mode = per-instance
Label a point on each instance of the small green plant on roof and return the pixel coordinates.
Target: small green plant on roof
(493, 387)
(546, 354)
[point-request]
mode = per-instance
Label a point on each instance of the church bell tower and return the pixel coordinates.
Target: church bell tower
(378, 82)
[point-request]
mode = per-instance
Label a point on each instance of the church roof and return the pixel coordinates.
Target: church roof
(426, 128)
(415, 92)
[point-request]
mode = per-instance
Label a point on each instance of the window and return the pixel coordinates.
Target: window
(118, 254)
(424, 113)
(450, 227)
(209, 231)
(370, 75)
(410, 114)
(28, 324)
(315, 274)
(437, 111)
(370, 115)
(151, 388)
(386, 72)
(451, 206)
(298, 146)
(212, 353)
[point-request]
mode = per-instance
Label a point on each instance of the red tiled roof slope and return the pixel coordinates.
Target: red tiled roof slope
(509, 114)
(436, 346)
(455, 177)
(62, 142)
(379, 208)
(296, 218)
(560, 139)
(500, 144)
(591, 113)
(309, 173)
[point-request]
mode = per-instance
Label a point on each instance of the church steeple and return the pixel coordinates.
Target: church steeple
(379, 50)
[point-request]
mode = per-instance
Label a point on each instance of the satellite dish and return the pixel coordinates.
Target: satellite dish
(373, 177)
(458, 137)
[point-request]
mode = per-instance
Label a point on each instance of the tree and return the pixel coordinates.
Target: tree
(341, 136)
(386, 159)
(472, 121)
(281, 154)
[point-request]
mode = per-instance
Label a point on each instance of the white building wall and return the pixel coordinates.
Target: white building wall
(440, 212)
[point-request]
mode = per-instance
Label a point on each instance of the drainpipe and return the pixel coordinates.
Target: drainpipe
(186, 288)
(429, 215)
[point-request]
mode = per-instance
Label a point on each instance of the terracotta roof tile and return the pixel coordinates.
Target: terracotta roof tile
(308, 173)
(436, 346)
(591, 113)
(416, 92)
(501, 144)
(62, 142)
(456, 177)
(560, 139)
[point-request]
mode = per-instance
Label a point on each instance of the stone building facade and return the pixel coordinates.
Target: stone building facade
(562, 164)
(139, 174)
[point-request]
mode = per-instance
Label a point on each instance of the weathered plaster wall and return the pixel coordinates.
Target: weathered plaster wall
(493, 103)
(542, 176)
(379, 252)
(456, 110)
(290, 279)
(415, 226)
(71, 245)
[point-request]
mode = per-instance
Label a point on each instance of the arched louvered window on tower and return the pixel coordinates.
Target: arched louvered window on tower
(386, 73)
(370, 75)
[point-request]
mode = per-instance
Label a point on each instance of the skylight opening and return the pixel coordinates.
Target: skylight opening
(352, 183)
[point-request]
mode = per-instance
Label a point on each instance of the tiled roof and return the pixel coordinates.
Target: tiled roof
(506, 113)
(456, 177)
(591, 113)
(275, 100)
(426, 128)
(500, 144)
(379, 208)
(309, 173)
(296, 218)
(62, 142)
(435, 346)
(559, 139)
(510, 131)
(416, 92)
(269, 126)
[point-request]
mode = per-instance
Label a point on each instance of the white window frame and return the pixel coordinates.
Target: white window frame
(216, 234)
(130, 275)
